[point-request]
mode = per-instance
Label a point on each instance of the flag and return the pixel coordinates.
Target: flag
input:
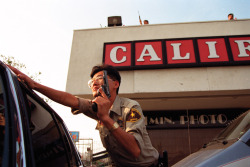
(140, 18)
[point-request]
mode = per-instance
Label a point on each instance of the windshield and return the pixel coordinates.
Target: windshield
(236, 128)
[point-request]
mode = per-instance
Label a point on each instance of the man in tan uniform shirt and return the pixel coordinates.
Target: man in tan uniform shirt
(122, 141)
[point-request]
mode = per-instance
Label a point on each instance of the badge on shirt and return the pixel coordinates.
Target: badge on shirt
(133, 116)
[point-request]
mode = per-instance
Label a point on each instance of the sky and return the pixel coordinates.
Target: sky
(39, 33)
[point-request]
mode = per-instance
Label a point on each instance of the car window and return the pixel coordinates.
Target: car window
(51, 141)
(31, 133)
(72, 151)
(242, 127)
(237, 127)
(48, 145)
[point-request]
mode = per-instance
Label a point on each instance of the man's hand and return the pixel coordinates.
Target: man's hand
(127, 140)
(103, 104)
(23, 77)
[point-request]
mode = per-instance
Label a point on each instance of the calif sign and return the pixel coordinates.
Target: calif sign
(166, 53)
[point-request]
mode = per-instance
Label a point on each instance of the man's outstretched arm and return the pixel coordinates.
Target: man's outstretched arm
(61, 97)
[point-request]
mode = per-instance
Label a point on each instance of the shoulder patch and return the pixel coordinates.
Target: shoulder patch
(133, 116)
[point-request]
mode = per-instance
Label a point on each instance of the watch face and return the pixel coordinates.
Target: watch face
(116, 125)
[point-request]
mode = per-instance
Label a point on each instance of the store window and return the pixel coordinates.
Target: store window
(183, 132)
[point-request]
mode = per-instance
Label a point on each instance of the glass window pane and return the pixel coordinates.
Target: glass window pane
(70, 147)
(48, 145)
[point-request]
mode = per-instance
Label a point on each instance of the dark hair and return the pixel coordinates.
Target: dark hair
(111, 71)
(230, 14)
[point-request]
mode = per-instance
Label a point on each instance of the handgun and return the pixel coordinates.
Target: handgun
(105, 88)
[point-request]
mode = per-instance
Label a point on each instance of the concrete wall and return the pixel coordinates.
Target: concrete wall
(165, 89)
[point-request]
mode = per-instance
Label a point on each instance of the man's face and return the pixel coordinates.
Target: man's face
(97, 81)
(230, 17)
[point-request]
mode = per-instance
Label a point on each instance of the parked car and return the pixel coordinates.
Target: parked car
(31, 132)
(230, 148)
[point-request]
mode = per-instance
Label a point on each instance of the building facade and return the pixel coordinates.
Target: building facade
(190, 79)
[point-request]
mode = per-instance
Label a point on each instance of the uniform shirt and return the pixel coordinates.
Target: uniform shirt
(128, 114)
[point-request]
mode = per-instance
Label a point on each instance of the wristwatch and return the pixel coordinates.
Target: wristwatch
(115, 126)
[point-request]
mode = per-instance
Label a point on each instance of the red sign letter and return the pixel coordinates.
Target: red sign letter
(212, 50)
(118, 54)
(179, 52)
(148, 53)
(241, 48)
